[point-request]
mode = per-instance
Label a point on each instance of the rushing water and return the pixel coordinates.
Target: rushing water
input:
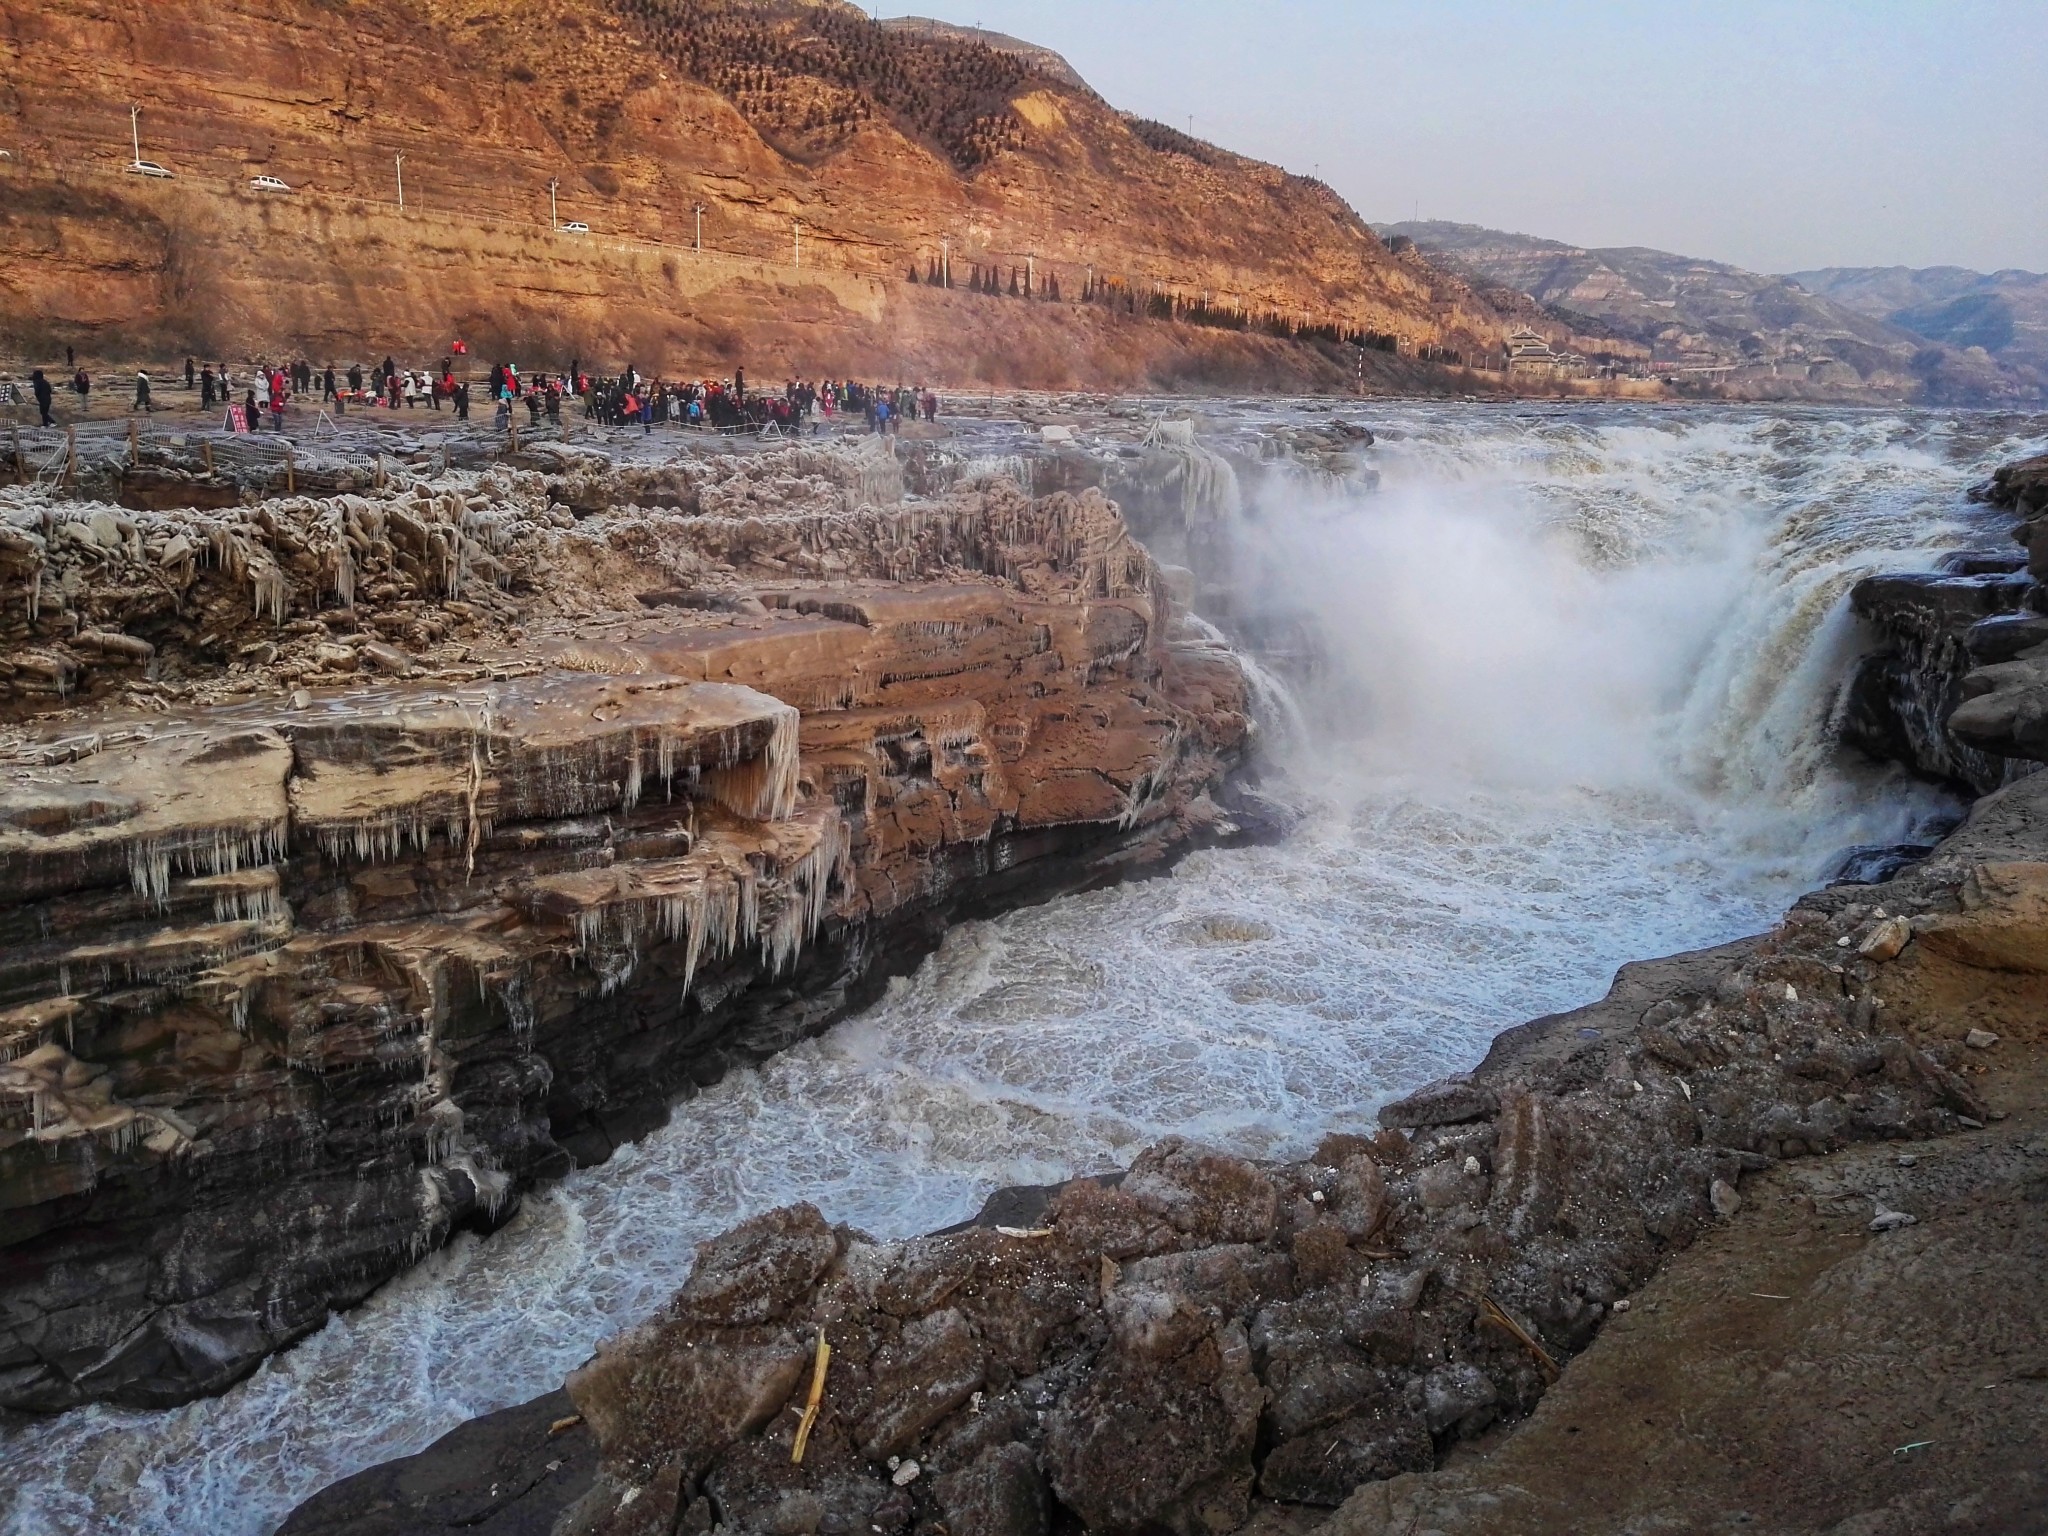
(1574, 708)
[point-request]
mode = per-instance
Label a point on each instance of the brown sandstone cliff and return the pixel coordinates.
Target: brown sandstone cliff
(369, 855)
(888, 144)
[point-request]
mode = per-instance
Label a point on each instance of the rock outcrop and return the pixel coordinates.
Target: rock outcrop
(2004, 708)
(368, 856)
(1957, 687)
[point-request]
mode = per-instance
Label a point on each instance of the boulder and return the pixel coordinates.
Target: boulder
(1160, 1436)
(1001, 1493)
(1451, 1101)
(760, 1269)
(1208, 1195)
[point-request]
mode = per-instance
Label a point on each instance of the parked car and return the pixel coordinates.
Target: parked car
(576, 227)
(148, 168)
(267, 184)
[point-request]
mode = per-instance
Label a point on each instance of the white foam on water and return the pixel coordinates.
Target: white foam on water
(1581, 668)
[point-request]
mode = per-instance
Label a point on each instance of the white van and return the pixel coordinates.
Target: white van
(267, 184)
(148, 168)
(576, 227)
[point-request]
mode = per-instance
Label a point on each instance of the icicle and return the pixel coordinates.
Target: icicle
(761, 788)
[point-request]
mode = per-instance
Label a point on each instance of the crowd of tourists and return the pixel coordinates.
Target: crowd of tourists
(725, 405)
(625, 399)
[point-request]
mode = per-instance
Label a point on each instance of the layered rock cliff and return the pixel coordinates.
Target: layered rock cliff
(369, 855)
(895, 148)
(1958, 684)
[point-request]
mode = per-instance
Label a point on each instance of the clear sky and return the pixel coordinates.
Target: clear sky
(1775, 134)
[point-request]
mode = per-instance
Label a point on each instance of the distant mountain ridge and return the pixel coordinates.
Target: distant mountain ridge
(1750, 334)
(2004, 312)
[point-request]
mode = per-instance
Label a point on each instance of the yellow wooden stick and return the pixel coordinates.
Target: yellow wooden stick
(803, 1428)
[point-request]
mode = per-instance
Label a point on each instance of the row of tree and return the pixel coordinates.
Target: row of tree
(989, 280)
(1157, 304)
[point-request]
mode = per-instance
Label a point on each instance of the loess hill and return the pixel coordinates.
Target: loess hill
(890, 142)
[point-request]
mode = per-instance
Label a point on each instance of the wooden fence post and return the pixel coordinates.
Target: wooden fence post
(71, 453)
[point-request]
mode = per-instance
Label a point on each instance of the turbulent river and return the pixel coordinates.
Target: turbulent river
(1577, 667)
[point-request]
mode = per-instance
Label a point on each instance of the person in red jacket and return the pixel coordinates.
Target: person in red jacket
(277, 394)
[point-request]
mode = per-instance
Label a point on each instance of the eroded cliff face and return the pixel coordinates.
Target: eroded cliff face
(641, 113)
(1958, 688)
(370, 855)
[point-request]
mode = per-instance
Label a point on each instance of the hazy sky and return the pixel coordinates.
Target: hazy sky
(1778, 136)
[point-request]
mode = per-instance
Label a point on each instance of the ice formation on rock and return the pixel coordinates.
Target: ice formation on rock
(370, 853)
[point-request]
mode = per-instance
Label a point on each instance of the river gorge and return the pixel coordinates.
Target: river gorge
(1537, 691)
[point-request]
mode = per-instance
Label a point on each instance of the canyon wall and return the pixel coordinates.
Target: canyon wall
(370, 855)
(624, 111)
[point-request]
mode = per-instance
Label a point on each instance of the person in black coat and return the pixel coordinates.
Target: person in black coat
(44, 394)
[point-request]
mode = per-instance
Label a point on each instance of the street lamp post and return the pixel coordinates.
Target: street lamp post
(699, 210)
(554, 220)
(946, 260)
(135, 131)
(797, 229)
(400, 161)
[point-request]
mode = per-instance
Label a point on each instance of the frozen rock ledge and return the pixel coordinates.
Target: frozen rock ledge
(307, 969)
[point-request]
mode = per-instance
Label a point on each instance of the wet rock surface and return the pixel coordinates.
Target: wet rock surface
(1935, 628)
(1997, 697)
(474, 859)
(1207, 1342)
(505, 1474)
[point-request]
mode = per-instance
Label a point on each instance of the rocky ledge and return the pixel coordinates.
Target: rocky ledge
(1957, 689)
(1204, 1343)
(366, 856)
